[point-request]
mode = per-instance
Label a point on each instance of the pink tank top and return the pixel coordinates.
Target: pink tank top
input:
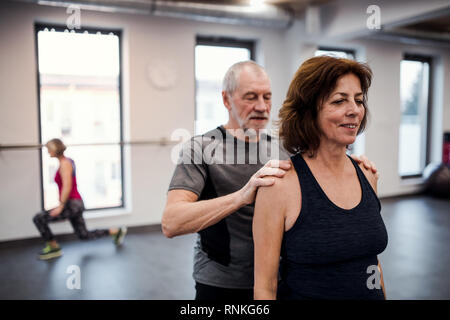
(74, 191)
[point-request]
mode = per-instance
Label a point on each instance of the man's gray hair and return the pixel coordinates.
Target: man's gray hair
(231, 78)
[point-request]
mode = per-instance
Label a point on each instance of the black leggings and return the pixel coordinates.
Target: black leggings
(73, 211)
(205, 292)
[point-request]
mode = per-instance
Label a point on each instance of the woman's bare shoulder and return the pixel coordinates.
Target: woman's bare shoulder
(281, 190)
(284, 196)
(66, 165)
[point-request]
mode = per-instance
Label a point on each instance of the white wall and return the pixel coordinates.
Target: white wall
(152, 114)
(149, 113)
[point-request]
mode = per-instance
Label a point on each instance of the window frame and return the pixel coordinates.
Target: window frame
(226, 42)
(219, 41)
(61, 28)
(429, 60)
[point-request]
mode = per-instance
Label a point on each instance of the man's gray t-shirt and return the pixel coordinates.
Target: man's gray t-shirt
(213, 165)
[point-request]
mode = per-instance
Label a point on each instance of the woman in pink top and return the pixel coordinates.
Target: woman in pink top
(71, 207)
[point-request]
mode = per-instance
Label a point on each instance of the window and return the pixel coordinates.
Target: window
(335, 52)
(79, 76)
(415, 109)
(213, 57)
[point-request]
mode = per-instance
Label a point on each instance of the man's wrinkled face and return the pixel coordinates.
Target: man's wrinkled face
(250, 103)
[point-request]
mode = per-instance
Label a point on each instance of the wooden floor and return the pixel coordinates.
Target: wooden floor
(416, 262)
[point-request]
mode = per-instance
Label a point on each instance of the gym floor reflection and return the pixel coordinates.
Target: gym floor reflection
(150, 266)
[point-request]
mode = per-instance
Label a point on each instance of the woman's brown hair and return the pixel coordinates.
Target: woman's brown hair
(313, 82)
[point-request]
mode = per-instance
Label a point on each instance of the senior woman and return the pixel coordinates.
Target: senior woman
(323, 218)
(71, 207)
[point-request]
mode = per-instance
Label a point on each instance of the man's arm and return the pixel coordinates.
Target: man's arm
(183, 214)
(366, 163)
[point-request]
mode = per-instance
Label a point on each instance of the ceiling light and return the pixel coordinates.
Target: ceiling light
(258, 5)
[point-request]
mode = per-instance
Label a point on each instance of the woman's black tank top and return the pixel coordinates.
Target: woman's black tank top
(330, 252)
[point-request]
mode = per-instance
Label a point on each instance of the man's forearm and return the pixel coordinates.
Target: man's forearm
(190, 217)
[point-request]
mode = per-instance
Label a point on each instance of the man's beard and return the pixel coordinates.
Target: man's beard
(245, 124)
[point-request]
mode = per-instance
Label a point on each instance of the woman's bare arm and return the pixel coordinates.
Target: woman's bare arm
(268, 230)
(381, 279)
(66, 176)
